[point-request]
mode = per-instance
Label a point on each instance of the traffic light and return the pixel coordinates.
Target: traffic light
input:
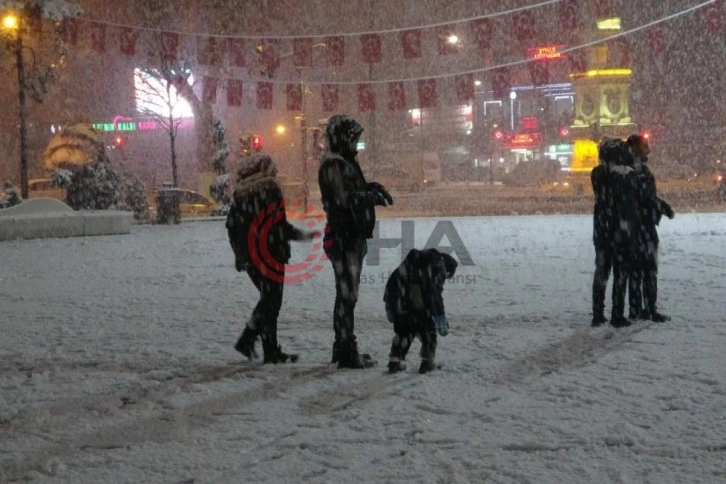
(647, 136)
(118, 141)
(564, 131)
(257, 143)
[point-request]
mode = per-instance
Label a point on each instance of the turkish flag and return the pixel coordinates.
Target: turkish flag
(294, 97)
(658, 39)
(524, 29)
(269, 57)
(264, 95)
(427, 93)
(713, 17)
(209, 51)
(371, 48)
(329, 95)
(603, 8)
(69, 31)
(483, 33)
(539, 73)
(302, 52)
(501, 82)
(336, 50)
(464, 87)
(127, 42)
(169, 45)
(568, 14)
(396, 96)
(236, 48)
(411, 43)
(209, 89)
(234, 92)
(578, 61)
(98, 37)
(443, 34)
(366, 97)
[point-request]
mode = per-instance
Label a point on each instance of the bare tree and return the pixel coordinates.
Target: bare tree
(37, 57)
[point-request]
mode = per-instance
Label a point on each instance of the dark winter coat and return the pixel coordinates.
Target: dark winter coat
(415, 288)
(623, 216)
(257, 205)
(344, 194)
(652, 208)
(600, 213)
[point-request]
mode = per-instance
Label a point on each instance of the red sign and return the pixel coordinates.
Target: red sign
(529, 122)
(524, 140)
(546, 52)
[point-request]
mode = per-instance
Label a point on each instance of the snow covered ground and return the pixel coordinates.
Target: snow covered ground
(116, 365)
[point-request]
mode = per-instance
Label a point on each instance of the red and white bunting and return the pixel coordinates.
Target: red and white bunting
(411, 43)
(264, 95)
(371, 51)
(539, 73)
(396, 96)
(427, 95)
(336, 50)
(236, 50)
(464, 87)
(169, 45)
(658, 39)
(98, 37)
(294, 95)
(209, 89)
(483, 32)
(568, 14)
(302, 52)
(127, 41)
(366, 98)
(524, 26)
(501, 82)
(445, 42)
(329, 96)
(713, 17)
(234, 92)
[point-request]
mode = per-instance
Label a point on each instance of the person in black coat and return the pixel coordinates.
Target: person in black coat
(616, 229)
(643, 282)
(415, 305)
(348, 201)
(258, 205)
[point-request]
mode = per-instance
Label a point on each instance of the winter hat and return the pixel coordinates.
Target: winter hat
(341, 130)
(257, 163)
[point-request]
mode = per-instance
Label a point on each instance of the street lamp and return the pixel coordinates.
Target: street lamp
(11, 24)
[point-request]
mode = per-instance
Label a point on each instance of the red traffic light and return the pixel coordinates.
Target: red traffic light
(119, 141)
(498, 134)
(646, 135)
(564, 131)
(257, 143)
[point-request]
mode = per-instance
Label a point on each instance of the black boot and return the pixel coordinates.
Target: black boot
(426, 366)
(276, 355)
(395, 367)
(657, 317)
(349, 357)
(336, 352)
(620, 322)
(598, 320)
(246, 343)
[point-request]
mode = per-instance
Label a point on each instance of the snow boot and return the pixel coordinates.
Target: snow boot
(620, 322)
(598, 320)
(276, 355)
(396, 367)
(426, 366)
(246, 343)
(657, 317)
(349, 357)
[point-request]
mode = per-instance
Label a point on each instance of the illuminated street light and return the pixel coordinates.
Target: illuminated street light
(10, 22)
(452, 39)
(280, 129)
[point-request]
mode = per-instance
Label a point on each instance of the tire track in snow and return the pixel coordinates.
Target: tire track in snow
(160, 425)
(580, 349)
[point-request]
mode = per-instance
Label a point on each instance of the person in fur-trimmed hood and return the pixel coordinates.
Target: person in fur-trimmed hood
(258, 205)
(415, 305)
(349, 202)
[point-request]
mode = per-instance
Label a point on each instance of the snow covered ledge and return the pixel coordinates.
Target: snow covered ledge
(46, 217)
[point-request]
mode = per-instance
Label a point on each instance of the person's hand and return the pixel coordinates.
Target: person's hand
(441, 324)
(669, 211)
(380, 194)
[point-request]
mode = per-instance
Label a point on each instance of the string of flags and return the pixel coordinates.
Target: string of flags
(263, 54)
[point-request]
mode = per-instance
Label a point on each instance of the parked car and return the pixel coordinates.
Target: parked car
(45, 188)
(191, 204)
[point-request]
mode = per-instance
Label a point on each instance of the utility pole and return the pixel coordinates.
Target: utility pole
(23, 115)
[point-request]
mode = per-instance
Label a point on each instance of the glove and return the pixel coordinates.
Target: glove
(441, 324)
(380, 194)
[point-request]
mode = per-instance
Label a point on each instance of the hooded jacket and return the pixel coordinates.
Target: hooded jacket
(258, 206)
(415, 288)
(343, 188)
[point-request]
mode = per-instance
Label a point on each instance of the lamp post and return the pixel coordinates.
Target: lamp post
(12, 24)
